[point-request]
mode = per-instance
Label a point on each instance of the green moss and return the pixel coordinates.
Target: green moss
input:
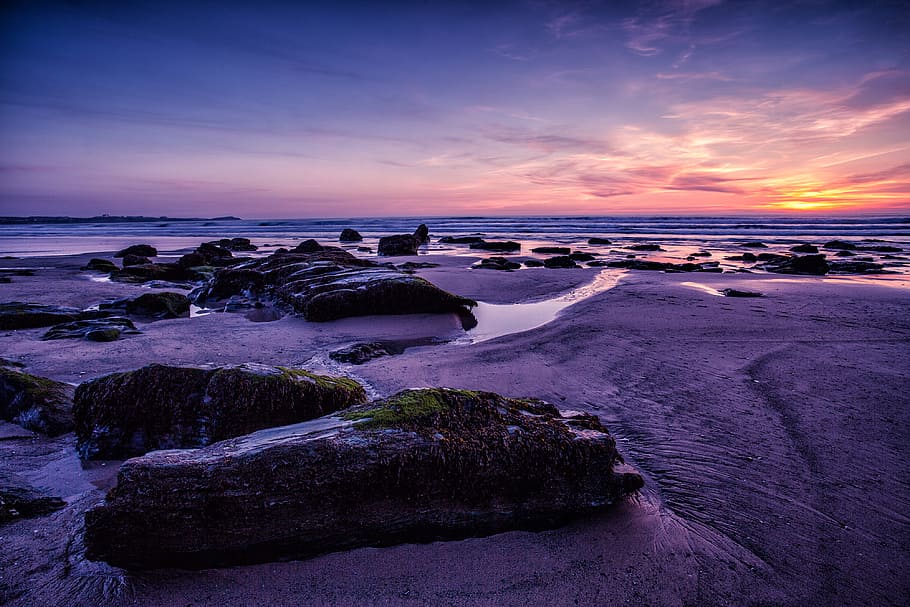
(405, 407)
(323, 381)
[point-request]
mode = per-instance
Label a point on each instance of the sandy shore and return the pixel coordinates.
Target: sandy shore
(773, 434)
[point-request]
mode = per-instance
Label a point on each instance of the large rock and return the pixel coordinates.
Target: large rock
(552, 250)
(102, 329)
(330, 283)
(805, 248)
(839, 244)
(19, 315)
(497, 245)
(157, 305)
(169, 272)
(18, 499)
(234, 244)
(460, 239)
(165, 407)
(35, 403)
(400, 244)
(800, 264)
(100, 265)
(350, 235)
(142, 250)
(422, 233)
(561, 261)
(135, 260)
(497, 263)
(423, 465)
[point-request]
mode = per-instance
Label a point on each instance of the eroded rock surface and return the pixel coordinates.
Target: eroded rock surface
(164, 407)
(420, 466)
(35, 403)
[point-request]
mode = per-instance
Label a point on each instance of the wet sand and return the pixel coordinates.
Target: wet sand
(772, 433)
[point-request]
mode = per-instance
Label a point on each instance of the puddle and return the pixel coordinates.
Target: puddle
(497, 320)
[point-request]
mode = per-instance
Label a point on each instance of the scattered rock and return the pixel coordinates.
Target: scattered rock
(802, 264)
(738, 293)
(502, 246)
(580, 256)
(596, 240)
(562, 261)
(135, 260)
(855, 267)
(460, 239)
(213, 254)
(18, 315)
(360, 353)
(773, 257)
(168, 272)
(350, 235)
(533, 263)
(398, 245)
(844, 253)
(35, 403)
(552, 250)
(410, 266)
(880, 249)
(497, 263)
(663, 266)
(100, 265)
(165, 407)
(142, 250)
(18, 499)
(839, 244)
(754, 245)
(804, 248)
(644, 247)
(234, 244)
(421, 466)
(103, 329)
(701, 254)
(158, 305)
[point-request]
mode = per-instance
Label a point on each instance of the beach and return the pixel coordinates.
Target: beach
(771, 433)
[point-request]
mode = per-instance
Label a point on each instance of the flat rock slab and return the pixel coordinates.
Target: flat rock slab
(421, 466)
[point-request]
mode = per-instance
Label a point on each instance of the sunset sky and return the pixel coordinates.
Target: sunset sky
(266, 109)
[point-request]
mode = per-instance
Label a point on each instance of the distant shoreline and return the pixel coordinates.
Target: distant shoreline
(105, 219)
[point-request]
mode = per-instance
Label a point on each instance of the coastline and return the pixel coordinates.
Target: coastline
(772, 433)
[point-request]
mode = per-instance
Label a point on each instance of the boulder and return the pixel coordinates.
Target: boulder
(158, 305)
(19, 499)
(165, 407)
(839, 244)
(214, 254)
(19, 315)
(100, 265)
(234, 244)
(400, 244)
(422, 234)
(497, 263)
(552, 250)
(581, 256)
(602, 241)
(804, 248)
(562, 261)
(135, 260)
(701, 254)
(35, 403)
(170, 272)
(801, 264)
(331, 283)
(460, 239)
(360, 353)
(754, 245)
(142, 250)
(533, 263)
(309, 246)
(502, 246)
(420, 466)
(102, 329)
(349, 235)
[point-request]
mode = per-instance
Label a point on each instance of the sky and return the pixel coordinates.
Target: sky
(269, 109)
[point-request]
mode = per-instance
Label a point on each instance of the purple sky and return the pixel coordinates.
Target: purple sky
(286, 110)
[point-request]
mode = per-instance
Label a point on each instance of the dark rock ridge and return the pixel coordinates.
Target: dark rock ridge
(460, 239)
(350, 235)
(157, 305)
(880, 248)
(330, 283)
(135, 260)
(142, 250)
(804, 248)
(18, 499)
(581, 256)
(754, 245)
(398, 245)
(421, 466)
(19, 315)
(533, 263)
(169, 272)
(422, 233)
(234, 244)
(855, 267)
(644, 247)
(497, 263)
(596, 240)
(103, 329)
(552, 250)
(800, 264)
(164, 407)
(561, 261)
(738, 293)
(35, 403)
(491, 245)
(839, 244)
(662, 266)
(100, 265)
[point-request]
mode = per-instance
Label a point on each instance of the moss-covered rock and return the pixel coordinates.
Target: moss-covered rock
(19, 315)
(35, 403)
(165, 407)
(103, 329)
(422, 465)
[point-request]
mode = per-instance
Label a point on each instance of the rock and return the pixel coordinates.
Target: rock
(360, 353)
(142, 250)
(497, 263)
(839, 244)
(738, 293)
(640, 264)
(803, 264)
(596, 240)
(773, 257)
(331, 283)
(365, 249)
(170, 272)
(880, 248)
(644, 247)
(103, 329)
(166, 407)
(844, 253)
(18, 499)
(533, 263)
(422, 234)
(701, 254)
(214, 254)
(754, 245)
(552, 250)
(804, 248)
(400, 244)
(503, 246)
(749, 257)
(100, 265)
(159, 305)
(562, 261)
(580, 256)
(349, 235)
(423, 465)
(135, 260)
(855, 267)
(460, 239)
(35, 403)
(309, 246)
(191, 260)
(234, 244)
(19, 315)
(410, 266)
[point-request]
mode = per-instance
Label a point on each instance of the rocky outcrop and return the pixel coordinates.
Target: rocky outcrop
(234, 244)
(142, 250)
(422, 233)
(562, 261)
(35, 403)
(398, 245)
(839, 244)
(880, 248)
(329, 283)
(100, 265)
(168, 272)
(423, 465)
(493, 245)
(804, 248)
(360, 353)
(19, 315)
(135, 260)
(754, 245)
(350, 235)
(164, 407)
(552, 250)
(581, 256)
(799, 264)
(662, 266)
(496, 263)
(460, 239)
(102, 329)
(19, 499)
(533, 263)
(855, 267)
(156, 305)
(644, 247)
(603, 241)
